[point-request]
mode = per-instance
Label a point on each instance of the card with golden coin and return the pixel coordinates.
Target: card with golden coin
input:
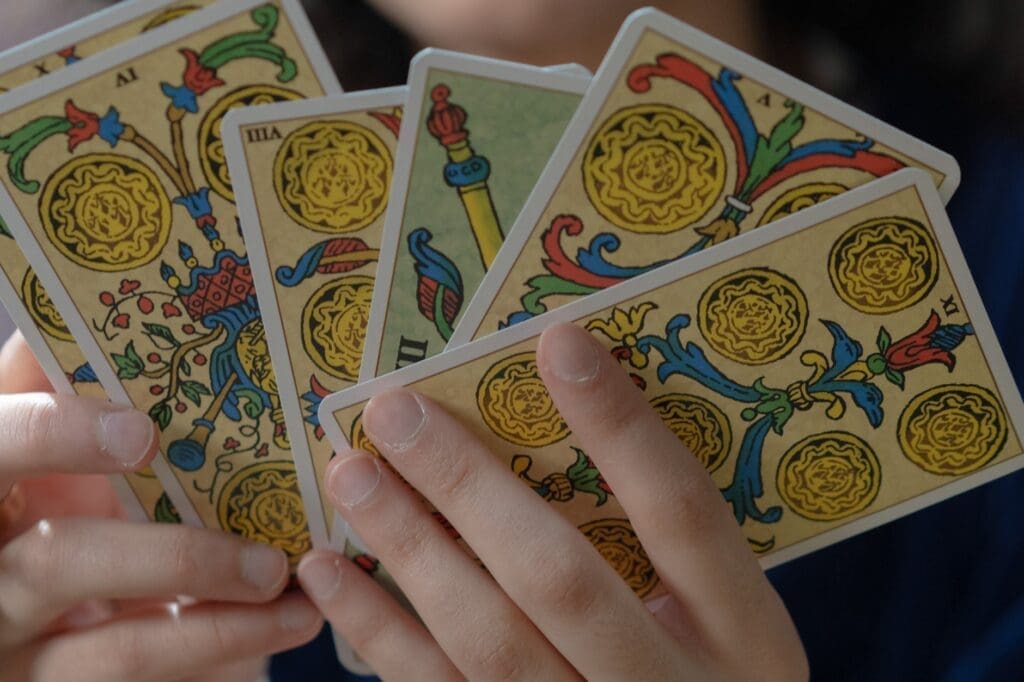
(20, 289)
(311, 181)
(681, 143)
(476, 137)
(116, 188)
(831, 374)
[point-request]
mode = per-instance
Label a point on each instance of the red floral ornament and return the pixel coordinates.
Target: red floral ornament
(917, 349)
(198, 78)
(84, 125)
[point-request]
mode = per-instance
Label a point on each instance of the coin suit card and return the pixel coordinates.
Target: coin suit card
(312, 181)
(833, 373)
(475, 138)
(681, 143)
(20, 290)
(116, 188)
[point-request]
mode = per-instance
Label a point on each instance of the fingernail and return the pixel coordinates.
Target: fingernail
(320, 577)
(658, 603)
(394, 418)
(297, 614)
(568, 357)
(126, 436)
(353, 480)
(263, 567)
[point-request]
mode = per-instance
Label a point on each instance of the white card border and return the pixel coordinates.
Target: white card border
(606, 79)
(273, 325)
(96, 64)
(744, 243)
(563, 77)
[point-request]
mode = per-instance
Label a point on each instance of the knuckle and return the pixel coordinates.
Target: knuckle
(39, 557)
(568, 585)
(456, 478)
(371, 635)
(500, 657)
(36, 423)
(409, 544)
(185, 554)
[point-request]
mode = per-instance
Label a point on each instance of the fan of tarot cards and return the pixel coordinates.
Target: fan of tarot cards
(773, 268)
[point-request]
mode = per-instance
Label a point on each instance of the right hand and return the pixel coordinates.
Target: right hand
(85, 595)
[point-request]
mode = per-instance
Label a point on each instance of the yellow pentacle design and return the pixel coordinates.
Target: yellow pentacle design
(829, 476)
(261, 502)
(884, 265)
(211, 144)
(106, 212)
(334, 325)
(254, 355)
(41, 308)
(515, 405)
(333, 176)
(358, 438)
(754, 316)
(799, 198)
(615, 540)
(952, 429)
(699, 424)
(653, 168)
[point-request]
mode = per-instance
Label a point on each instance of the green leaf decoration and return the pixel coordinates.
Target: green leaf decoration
(443, 328)
(164, 511)
(586, 478)
(22, 141)
(4, 230)
(162, 332)
(161, 415)
(883, 340)
(185, 368)
(194, 391)
(769, 152)
(543, 286)
(895, 377)
(253, 403)
(252, 44)
(129, 365)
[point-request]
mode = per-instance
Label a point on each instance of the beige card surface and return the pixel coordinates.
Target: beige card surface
(680, 143)
(23, 295)
(312, 180)
(117, 190)
(832, 373)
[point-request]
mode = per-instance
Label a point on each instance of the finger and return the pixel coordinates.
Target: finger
(19, 370)
(675, 508)
(63, 562)
(540, 559)
(372, 622)
(173, 643)
(43, 434)
(483, 633)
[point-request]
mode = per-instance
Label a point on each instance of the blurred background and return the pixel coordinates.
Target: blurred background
(938, 595)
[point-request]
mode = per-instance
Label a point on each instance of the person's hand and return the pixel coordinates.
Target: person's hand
(85, 595)
(551, 607)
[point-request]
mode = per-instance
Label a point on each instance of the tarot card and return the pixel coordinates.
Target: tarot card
(23, 295)
(312, 181)
(833, 373)
(681, 143)
(117, 190)
(475, 138)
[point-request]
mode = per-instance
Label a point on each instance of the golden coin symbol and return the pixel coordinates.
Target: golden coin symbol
(515, 404)
(799, 198)
(754, 316)
(358, 438)
(261, 502)
(211, 144)
(106, 212)
(615, 540)
(41, 308)
(952, 429)
(699, 424)
(829, 476)
(653, 168)
(254, 355)
(884, 265)
(334, 325)
(333, 176)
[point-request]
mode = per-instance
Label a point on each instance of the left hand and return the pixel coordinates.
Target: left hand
(551, 607)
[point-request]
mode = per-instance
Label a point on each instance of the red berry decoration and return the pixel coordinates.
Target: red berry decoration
(171, 310)
(145, 305)
(153, 357)
(199, 359)
(107, 298)
(230, 443)
(180, 407)
(128, 286)
(188, 329)
(121, 321)
(156, 390)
